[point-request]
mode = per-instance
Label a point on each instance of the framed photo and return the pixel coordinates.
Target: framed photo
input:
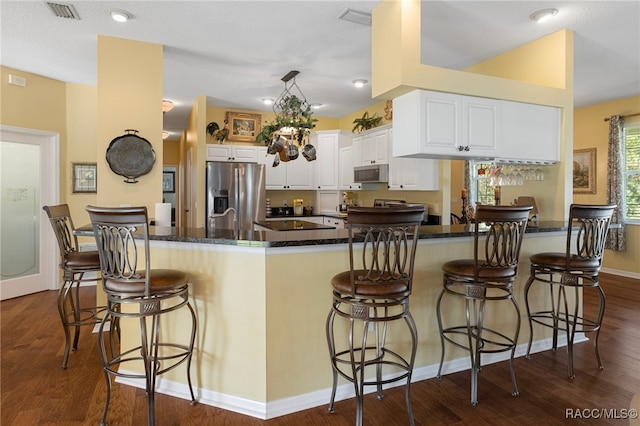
(584, 171)
(168, 181)
(243, 127)
(84, 177)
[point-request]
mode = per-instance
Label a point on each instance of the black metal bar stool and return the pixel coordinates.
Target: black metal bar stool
(578, 269)
(374, 291)
(488, 277)
(146, 294)
(74, 265)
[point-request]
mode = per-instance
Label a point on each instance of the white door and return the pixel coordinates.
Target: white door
(28, 180)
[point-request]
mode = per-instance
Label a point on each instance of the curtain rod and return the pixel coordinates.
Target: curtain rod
(624, 116)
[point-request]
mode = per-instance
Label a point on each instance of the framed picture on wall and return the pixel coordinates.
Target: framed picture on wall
(243, 127)
(584, 171)
(84, 177)
(168, 181)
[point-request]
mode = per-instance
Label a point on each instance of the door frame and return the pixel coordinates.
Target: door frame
(49, 143)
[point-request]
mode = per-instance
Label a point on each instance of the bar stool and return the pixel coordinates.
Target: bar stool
(578, 269)
(74, 265)
(488, 277)
(374, 291)
(145, 294)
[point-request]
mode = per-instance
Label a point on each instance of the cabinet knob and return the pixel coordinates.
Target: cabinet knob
(460, 148)
(466, 148)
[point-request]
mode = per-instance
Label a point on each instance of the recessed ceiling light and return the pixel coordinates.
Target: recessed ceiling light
(316, 106)
(119, 15)
(267, 101)
(359, 83)
(543, 15)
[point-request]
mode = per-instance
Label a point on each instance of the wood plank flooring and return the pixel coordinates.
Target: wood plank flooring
(35, 391)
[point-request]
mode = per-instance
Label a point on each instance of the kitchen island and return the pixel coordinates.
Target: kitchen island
(262, 298)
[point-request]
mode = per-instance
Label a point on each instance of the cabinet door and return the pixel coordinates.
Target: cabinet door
(367, 150)
(381, 147)
(327, 162)
(244, 154)
(275, 177)
(356, 142)
(530, 132)
(345, 163)
(442, 122)
(299, 174)
(480, 126)
(218, 153)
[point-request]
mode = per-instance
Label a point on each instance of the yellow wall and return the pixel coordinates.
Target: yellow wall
(81, 124)
(129, 97)
(540, 72)
(591, 131)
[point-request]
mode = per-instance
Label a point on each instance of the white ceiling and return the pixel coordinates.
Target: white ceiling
(235, 52)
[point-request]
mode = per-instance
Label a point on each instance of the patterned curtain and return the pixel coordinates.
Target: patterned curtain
(472, 193)
(615, 182)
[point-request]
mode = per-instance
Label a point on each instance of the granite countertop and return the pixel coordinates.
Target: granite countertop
(290, 224)
(303, 237)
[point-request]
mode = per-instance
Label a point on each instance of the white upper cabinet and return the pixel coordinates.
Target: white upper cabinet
(345, 177)
(327, 144)
(294, 174)
(445, 125)
(232, 153)
(530, 132)
(412, 174)
(372, 146)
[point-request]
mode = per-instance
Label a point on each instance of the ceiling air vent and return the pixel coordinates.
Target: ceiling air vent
(64, 10)
(357, 16)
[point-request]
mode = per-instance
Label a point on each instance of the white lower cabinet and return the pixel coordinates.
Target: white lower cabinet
(337, 222)
(313, 219)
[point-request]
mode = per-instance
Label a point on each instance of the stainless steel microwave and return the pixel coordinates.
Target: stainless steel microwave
(371, 174)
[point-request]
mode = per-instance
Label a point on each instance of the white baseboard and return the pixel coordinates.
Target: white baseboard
(626, 274)
(281, 407)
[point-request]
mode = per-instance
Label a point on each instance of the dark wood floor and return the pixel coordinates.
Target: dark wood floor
(35, 391)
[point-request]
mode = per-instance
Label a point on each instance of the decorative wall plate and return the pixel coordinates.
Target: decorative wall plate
(130, 156)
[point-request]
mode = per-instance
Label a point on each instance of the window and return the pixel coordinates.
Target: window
(632, 172)
(484, 190)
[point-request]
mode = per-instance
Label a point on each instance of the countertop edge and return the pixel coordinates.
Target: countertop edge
(299, 238)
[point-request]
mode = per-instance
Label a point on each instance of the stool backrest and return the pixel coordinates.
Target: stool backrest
(62, 224)
(390, 238)
(587, 233)
(498, 236)
(114, 229)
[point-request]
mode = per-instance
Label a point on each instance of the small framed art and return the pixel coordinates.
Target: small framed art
(168, 181)
(84, 177)
(584, 171)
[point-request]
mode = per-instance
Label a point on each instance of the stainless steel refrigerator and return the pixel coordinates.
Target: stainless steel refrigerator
(235, 195)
